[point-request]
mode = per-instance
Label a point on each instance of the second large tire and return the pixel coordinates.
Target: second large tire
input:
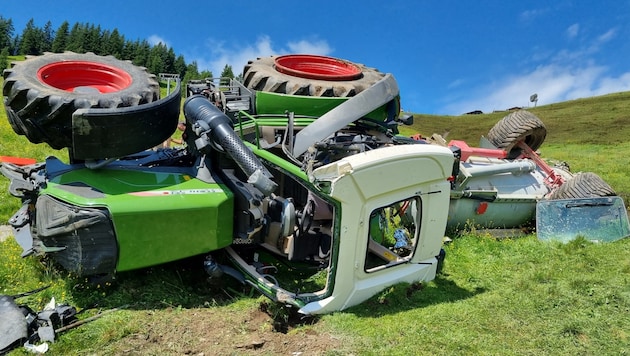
(516, 127)
(309, 75)
(42, 93)
(583, 185)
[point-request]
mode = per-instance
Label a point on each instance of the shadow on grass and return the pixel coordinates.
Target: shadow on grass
(181, 284)
(185, 284)
(403, 297)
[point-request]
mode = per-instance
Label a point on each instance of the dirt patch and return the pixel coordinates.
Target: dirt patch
(5, 232)
(207, 332)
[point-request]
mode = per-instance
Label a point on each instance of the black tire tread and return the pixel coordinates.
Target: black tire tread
(518, 126)
(583, 185)
(261, 75)
(44, 114)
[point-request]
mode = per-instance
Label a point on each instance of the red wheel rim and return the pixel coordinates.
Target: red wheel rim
(317, 67)
(72, 75)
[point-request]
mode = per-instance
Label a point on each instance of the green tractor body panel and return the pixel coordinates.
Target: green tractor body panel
(152, 209)
(274, 103)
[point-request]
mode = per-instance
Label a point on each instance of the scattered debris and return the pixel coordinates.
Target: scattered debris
(20, 325)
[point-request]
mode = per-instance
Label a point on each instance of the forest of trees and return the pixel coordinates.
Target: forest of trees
(83, 37)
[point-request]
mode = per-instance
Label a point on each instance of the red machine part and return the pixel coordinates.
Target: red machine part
(552, 179)
(468, 151)
(481, 208)
(317, 67)
(70, 75)
(18, 161)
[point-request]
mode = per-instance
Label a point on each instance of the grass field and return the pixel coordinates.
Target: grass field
(511, 296)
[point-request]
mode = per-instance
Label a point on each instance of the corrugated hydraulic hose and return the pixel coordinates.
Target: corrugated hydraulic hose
(210, 123)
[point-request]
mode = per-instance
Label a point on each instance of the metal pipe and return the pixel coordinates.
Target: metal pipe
(515, 167)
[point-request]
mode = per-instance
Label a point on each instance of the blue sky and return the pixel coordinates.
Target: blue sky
(449, 57)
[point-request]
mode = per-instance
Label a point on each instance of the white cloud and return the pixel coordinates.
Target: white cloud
(310, 47)
(531, 15)
(218, 54)
(154, 40)
(573, 31)
(455, 83)
(610, 34)
(553, 83)
(565, 75)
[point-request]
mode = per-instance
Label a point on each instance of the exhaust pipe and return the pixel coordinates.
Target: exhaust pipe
(214, 129)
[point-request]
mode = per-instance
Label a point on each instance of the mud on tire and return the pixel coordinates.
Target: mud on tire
(518, 126)
(41, 93)
(583, 185)
(309, 75)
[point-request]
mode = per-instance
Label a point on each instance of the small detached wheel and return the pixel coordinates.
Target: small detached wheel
(583, 185)
(516, 127)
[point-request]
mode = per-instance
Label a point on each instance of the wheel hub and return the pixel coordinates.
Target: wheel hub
(80, 76)
(317, 67)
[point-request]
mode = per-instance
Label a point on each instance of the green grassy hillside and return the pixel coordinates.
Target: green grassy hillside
(602, 120)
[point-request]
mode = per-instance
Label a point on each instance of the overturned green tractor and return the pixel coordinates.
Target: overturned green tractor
(259, 180)
(297, 176)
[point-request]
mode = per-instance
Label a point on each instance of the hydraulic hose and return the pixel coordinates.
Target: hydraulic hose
(214, 128)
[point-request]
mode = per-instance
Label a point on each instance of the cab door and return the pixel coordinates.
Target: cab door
(394, 206)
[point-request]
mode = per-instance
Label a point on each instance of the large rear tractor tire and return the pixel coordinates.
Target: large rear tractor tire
(516, 127)
(41, 93)
(309, 75)
(583, 185)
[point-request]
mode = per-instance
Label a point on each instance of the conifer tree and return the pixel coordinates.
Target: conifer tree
(180, 66)
(6, 34)
(61, 38)
(31, 41)
(48, 36)
(227, 72)
(76, 37)
(4, 58)
(114, 44)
